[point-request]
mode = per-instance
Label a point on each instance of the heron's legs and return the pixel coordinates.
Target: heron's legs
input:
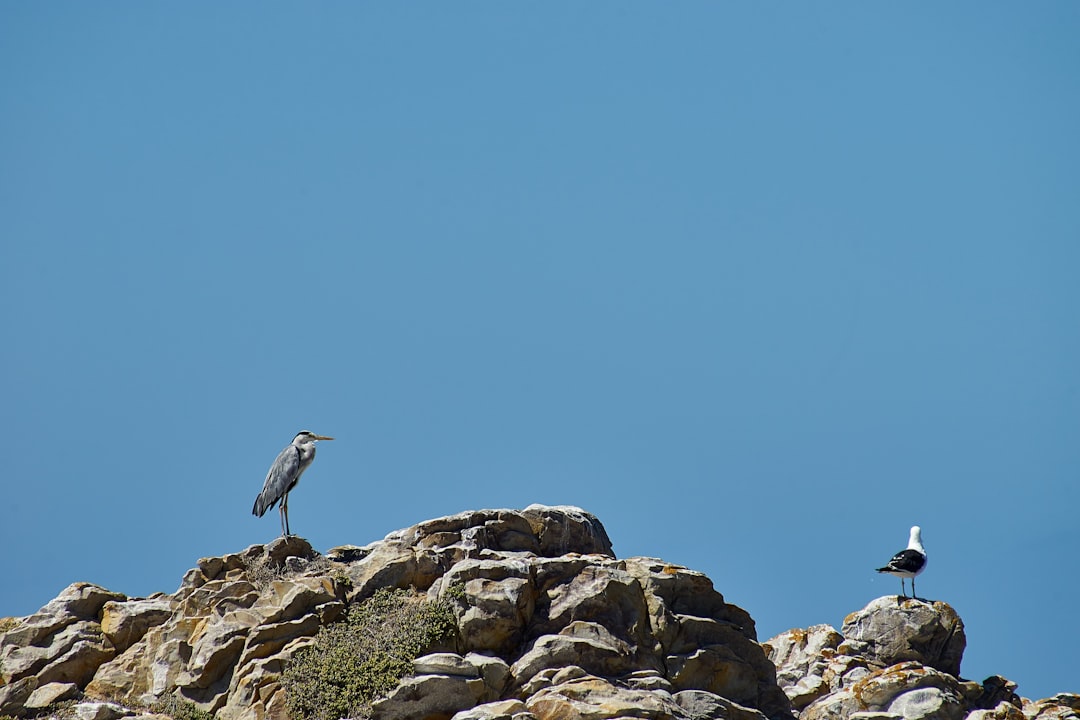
(285, 513)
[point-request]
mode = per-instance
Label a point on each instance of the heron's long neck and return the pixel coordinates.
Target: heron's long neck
(307, 451)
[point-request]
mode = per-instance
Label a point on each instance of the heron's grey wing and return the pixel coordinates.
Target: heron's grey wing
(279, 479)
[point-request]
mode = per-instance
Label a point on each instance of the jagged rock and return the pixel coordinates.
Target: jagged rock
(589, 645)
(1002, 711)
(72, 655)
(46, 695)
(603, 594)
(889, 632)
(996, 690)
(594, 698)
(78, 601)
(430, 696)
(62, 642)
(1063, 706)
(551, 626)
(497, 601)
(223, 623)
(802, 659)
(809, 664)
(499, 710)
(418, 556)
(125, 623)
(13, 696)
(908, 689)
(100, 711)
(702, 705)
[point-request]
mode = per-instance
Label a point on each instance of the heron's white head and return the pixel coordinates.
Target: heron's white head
(915, 541)
(306, 436)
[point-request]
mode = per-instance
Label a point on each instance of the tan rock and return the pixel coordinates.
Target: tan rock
(803, 662)
(909, 689)
(499, 710)
(1063, 706)
(584, 644)
(497, 601)
(593, 698)
(50, 693)
(702, 705)
(78, 601)
(891, 631)
(13, 696)
(100, 711)
(429, 696)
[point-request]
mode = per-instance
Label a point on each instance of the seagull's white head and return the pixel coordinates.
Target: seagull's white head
(915, 541)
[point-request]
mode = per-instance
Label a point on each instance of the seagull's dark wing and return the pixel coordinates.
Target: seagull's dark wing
(279, 480)
(905, 561)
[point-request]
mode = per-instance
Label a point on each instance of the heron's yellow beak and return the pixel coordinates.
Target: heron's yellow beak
(323, 437)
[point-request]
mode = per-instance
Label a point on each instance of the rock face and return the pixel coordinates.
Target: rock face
(895, 658)
(550, 625)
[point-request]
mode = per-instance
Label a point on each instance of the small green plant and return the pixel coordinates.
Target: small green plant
(456, 592)
(180, 709)
(354, 662)
(9, 623)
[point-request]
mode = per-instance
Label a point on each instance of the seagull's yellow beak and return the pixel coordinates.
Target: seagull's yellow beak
(323, 437)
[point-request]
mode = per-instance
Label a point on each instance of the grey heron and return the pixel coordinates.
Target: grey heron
(285, 473)
(908, 562)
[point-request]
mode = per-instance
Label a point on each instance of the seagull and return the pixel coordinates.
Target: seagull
(908, 563)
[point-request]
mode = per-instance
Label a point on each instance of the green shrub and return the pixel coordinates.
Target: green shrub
(179, 709)
(362, 658)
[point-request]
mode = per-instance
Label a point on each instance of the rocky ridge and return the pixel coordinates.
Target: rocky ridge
(550, 624)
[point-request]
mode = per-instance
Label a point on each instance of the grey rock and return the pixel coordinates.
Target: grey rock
(50, 693)
(702, 705)
(497, 603)
(424, 696)
(910, 689)
(13, 696)
(587, 645)
(78, 601)
(512, 709)
(445, 664)
(551, 626)
(890, 632)
(1063, 706)
(594, 698)
(100, 711)
(927, 703)
(1002, 711)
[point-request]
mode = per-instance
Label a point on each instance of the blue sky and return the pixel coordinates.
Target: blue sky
(760, 285)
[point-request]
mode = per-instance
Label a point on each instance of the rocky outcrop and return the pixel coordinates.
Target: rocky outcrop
(550, 624)
(894, 659)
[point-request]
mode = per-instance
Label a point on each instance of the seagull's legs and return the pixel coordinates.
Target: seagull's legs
(913, 595)
(903, 591)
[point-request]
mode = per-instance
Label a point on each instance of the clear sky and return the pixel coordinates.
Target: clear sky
(761, 285)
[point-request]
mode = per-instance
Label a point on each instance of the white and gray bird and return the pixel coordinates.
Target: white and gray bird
(285, 473)
(908, 562)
